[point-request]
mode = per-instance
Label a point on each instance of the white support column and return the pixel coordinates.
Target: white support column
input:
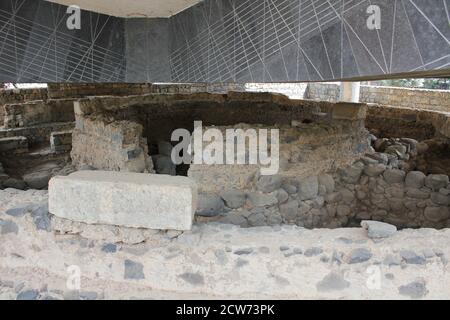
(350, 91)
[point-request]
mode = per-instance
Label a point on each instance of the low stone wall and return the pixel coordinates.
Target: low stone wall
(38, 134)
(19, 96)
(70, 90)
(396, 122)
(22, 95)
(38, 112)
(435, 100)
(329, 91)
(373, 188)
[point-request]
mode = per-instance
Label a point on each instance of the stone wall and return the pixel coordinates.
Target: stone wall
(81, 90)
(19, 96)
(372, 188)
(396, 122)
(101, 142)
(22, 95)
(38, 112)
(435, 100)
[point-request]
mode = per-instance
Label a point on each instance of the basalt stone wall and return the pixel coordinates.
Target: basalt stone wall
(373, 187)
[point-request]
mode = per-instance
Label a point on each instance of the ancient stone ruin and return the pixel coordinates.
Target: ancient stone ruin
(104, 152)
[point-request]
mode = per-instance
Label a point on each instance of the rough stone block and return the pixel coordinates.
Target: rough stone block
(124, 199)
(350, 111)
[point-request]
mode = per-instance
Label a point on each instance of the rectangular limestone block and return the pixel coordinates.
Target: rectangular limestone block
(349, 111)
(135, 200)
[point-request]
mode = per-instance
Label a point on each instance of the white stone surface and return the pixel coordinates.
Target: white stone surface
(133, 200)
(216, 261)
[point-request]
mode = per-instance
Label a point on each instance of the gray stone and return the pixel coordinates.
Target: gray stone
(268, 184)
(28, 295)
(235, 218)
(289, 188)
(274, 219)
(333, 197)
(289, 210)
(437, 214)
(327, 181)
(444, 191)
(15, 184)
(397, 149)
(91, 197)
(210, 205)
(436, 181)
(379, 157)
(374, 170)
(415, 179)
(257, 220)
(257, 199)
(195, 279)
(314, 251)
(41, 218)
(359, 255)
(378, 230)
(165, 148)
(234, 199)
(164, 165)
(347, 195)
(352, 174)
(414, 290)
(410, 257)
(37, 180)
(282, 196)
(389, 276)
(109, 248)
(369, 160)
(417, 194)
(303, 208)
(440, 199)
(8, 227)
(18, 212)
(133, 270)
(332, 282)
(343, 210)
(308, 188)
(394, 176)
(42, 222)
(244, 251)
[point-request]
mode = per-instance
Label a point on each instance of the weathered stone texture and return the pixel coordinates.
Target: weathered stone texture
(124, 199)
